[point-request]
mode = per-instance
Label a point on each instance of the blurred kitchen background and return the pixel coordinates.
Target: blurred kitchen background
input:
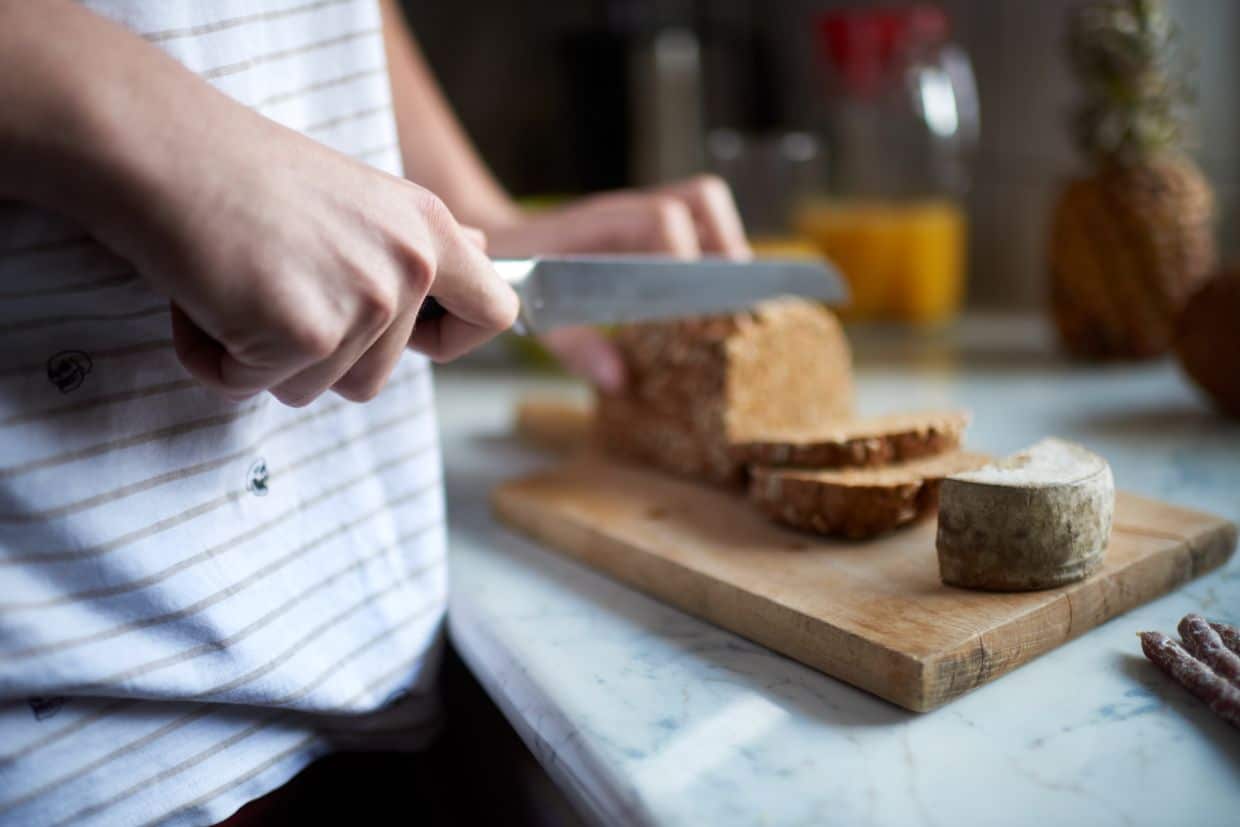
(807, 104)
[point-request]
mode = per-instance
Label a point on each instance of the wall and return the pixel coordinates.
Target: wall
(504, 65)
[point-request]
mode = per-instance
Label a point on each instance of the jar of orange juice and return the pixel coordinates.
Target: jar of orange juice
(901, 119)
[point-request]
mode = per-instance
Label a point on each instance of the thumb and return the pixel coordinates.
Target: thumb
(478, 303)
(475, 237)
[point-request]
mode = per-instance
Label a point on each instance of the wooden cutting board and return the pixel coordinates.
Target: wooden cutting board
(871, 613)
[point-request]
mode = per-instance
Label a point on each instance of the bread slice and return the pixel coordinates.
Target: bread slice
(1035, 520)
(698, 386)
(856, 502)
(876, 440)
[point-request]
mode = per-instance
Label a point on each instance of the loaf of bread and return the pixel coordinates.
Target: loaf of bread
(698, 387)
(864, 441)
(856, 502)
(1035, 520)
(553, 423)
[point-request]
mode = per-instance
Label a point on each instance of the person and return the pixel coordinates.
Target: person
(218, 222)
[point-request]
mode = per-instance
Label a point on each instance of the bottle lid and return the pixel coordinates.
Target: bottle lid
(863, 45)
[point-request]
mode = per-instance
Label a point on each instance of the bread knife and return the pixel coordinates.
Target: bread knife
(592, 290)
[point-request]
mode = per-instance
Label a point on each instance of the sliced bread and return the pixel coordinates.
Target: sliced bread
(876, 440)
(553, 423)
(697, 386)
(632, 431)
(856, 502)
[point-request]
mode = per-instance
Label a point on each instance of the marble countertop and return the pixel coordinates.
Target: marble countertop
(645, 715)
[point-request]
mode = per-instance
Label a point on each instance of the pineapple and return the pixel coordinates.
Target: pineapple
(1131, 241)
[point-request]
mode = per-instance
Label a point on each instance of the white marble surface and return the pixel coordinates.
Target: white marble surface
(645, 715)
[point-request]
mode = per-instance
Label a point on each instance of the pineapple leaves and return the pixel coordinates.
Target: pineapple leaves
(1135, 73)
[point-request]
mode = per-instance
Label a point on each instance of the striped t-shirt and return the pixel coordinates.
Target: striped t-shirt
(198, 597)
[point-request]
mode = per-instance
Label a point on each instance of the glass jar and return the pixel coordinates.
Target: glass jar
(901, 120)
(770, 175)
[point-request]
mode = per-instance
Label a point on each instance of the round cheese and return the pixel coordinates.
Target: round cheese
(1038, 519)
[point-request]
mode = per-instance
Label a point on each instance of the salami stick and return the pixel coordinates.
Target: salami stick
(1207, 646)
(1193, 675)
(1230, 635)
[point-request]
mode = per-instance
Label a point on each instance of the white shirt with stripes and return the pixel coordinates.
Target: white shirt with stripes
(199, 597)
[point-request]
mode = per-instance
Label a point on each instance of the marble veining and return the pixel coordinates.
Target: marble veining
(647, 716)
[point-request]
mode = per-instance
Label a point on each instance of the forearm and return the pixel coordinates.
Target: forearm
(94, 120)
(436, 151)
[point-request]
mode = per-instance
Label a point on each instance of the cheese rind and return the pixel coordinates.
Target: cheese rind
(1036, 520)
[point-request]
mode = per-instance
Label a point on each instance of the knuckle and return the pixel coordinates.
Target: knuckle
(379, 304)
(709, 186)
(668, 212)
(437, 214)
(315, 341)
(419, 271)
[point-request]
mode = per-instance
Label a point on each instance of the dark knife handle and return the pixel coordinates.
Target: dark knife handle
(430, 310)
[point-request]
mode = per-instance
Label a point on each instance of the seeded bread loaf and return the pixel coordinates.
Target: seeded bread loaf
(876, 440)
(856, 502)
(553, 423)
(671, 443)
(697, 387)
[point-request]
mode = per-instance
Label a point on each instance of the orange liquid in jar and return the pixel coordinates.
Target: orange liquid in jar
(792, 247)
(903, 261)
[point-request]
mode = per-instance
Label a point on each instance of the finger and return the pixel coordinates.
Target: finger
(628, 222)
(618, 222)
(475, 236)
(307, 385)
(369, 374)
(212, 365)
(242, 380)
(449, 337)
(198, 353)
(478, 302)
(589, 354)
(717, 221)
(667, 227)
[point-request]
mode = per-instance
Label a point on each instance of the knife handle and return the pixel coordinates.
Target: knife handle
(430, 310)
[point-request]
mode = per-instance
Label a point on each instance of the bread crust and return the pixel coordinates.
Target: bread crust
(855, 503)
(874, 441)
(624, 428)
(694, 385)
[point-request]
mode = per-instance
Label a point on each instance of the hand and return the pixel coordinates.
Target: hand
(685, 220)
(295, 270)
(290, 267)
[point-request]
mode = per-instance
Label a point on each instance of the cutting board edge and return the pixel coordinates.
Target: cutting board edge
(1206, 551)
(708, 609)
(933, 679)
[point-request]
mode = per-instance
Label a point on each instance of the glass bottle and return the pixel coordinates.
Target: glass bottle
(901, 120)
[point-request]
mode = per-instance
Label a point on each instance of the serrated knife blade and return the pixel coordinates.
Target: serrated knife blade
(590, 290)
